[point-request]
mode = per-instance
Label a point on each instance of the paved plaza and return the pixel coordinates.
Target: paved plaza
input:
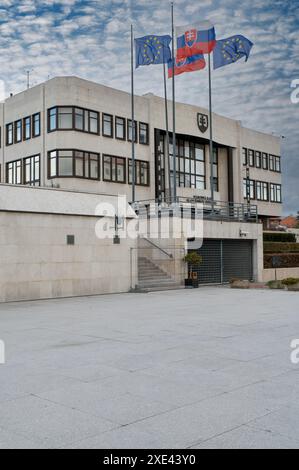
(205, 368)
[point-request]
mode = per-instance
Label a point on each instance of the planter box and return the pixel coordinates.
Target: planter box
(192, 283)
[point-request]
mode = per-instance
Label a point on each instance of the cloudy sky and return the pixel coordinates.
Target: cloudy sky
(91, 39)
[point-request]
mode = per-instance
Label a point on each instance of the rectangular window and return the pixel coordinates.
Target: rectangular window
(65, 118)
(27, 128)
(94, 122)
(14, 172)
(262, 191)
(79, 119)
(143, 133)
(52, 119)
(114, 169)
(265, 161)
(32, 170)
(275, 164)
(271, 163)
(74, 163)
(130, 130)
(120, 128)
(142, 173)
(107, 125)
(9, 134)
(65, 163)
(258, 159)
(73, 118)
(244, 153)
(251, 157)
(36, 125)
(248, 188)
(215, 169)
(190, 164)
(18, 131)
(275, 193)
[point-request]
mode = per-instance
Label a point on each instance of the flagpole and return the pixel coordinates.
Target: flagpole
(211, 133)
(133, 114)
(173, 105)
(167, 130)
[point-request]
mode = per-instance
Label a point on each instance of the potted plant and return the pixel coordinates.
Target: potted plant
(193, 259)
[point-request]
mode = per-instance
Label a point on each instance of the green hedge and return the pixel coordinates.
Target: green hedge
(286, 260)
(282, 237)
(279, 247)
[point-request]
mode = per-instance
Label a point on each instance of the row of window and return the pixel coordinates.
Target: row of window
(261, 160)
(262, 191)
(84, 120)
(23, 129)
(78, 164)
(79, 119)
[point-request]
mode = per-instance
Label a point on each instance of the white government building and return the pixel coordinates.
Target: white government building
(69, 140)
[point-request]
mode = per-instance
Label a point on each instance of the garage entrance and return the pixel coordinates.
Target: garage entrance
(224, 260)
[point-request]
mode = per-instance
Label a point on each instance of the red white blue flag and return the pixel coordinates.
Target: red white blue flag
(190, 64)
(195, 39)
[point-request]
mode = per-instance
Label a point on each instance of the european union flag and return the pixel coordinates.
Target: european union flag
(230, 50)
(152, 50)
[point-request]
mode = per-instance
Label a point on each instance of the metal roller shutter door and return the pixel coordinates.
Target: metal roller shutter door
(210, 270)
(224, 260)
(237, 260)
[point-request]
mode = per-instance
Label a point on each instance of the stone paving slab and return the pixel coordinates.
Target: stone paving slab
(206, 368)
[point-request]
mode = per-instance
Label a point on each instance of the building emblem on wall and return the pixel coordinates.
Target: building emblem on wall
(203, 122)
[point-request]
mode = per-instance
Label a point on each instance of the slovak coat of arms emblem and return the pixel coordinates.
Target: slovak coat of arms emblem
(203, 122)
(190, 37)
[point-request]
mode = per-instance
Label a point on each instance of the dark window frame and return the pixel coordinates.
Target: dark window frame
(136, 131)
(18, 127)
(147, 133)
(34, 133)
(86, 128)
(258, 158)
(114, 157)
(245, 156)
(86, 157)
(251, 162)
(265, 161)
(275, 187)
(25, 128)
(13, 162)
(32, 181)
(111, 135)
(9, 125)
(124, 138)
(262, 185)
(192, 177)
(139, 163)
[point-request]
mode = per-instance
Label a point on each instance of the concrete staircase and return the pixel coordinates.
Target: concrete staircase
(152, 278)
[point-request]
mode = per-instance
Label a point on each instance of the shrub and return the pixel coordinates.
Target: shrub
(193, 258)
(279, 237)
(279, 247)
(285, 260)
(275, 285)
(290, 281)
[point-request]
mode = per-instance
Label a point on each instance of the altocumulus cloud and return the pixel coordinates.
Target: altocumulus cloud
(91, 39)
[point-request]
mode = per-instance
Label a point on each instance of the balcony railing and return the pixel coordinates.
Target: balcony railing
(210, 210)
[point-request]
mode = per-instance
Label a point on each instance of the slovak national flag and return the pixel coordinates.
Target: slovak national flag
(195, 39)
(190, 64)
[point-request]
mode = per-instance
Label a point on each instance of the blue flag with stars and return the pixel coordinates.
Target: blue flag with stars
(153, 50)
(230, 50)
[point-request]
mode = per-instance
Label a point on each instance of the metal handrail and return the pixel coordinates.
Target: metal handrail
(158, 247)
